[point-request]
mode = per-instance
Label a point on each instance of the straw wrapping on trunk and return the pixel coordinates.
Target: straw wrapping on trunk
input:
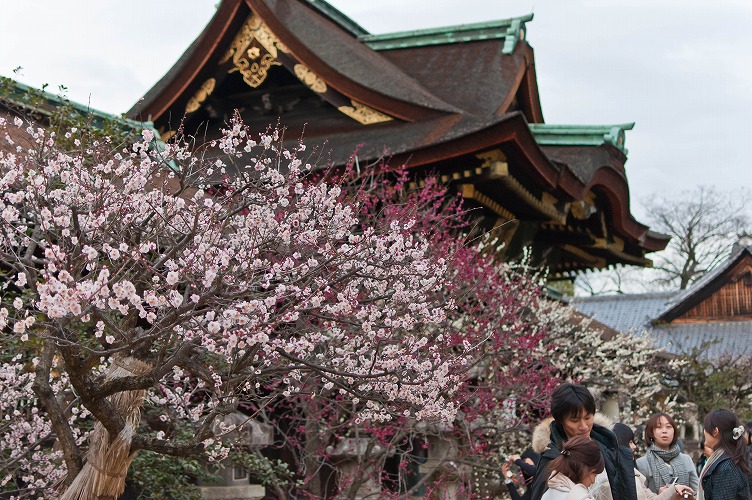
(107, 462)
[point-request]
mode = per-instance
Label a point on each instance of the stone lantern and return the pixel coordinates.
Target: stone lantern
(233, 481)
(440, 462)
(348, 458)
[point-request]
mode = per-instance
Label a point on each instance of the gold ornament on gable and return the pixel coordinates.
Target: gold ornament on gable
(253, 51)
(310, 79)
(363, 114)
(200, 96)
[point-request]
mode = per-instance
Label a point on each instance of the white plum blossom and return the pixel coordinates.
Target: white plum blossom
(25, 427)
(172, 278)
(230, 281)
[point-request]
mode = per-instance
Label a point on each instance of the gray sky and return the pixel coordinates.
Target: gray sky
(681, 69)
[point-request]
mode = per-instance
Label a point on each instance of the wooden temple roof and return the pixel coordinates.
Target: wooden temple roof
(461, 101)
(723, 294)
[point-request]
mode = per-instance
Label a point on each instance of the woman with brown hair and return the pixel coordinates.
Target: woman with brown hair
(725, 474)
(625, 435)
(574, 470)
(664, 464)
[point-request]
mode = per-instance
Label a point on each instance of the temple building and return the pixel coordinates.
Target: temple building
(461, 102)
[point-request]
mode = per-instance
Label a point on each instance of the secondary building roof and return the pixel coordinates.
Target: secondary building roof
(714, 314)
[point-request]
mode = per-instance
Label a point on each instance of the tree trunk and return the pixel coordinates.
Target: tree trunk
(103, 475)
(312, 453)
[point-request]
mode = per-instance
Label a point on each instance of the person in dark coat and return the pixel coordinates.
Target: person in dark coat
(573, 409)
(725, 475)
(749, 452)
(527, 463)
(706, 452)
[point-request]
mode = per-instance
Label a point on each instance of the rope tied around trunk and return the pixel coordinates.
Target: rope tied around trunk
(106, 473)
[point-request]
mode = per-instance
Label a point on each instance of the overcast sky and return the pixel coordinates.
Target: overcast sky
(681, 69)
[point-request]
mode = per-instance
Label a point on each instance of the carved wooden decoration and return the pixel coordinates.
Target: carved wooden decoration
(200, 96)
(310, 79)
(363, 114)
(253, 51)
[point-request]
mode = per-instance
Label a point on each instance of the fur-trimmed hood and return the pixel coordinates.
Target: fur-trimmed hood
(542, 435)
(618, 459)
(542, 432)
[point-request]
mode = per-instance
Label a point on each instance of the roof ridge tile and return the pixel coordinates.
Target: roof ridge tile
(511, 29)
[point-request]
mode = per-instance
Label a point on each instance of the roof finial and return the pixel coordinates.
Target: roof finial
(744, 241)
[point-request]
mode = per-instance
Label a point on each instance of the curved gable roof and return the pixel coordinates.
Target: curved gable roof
(338, 58)
(456, 91)
(319, 42)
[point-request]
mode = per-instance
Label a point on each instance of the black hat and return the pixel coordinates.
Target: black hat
(624, 434)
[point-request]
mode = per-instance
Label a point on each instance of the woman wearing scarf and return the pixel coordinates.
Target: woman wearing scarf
(725, 474)
(625, 436)
(663, 461)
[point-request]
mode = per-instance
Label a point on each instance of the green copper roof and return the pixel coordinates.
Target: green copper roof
(338, 17)
(581, 135)
(512, 30)
(42, 102)
(20, 94)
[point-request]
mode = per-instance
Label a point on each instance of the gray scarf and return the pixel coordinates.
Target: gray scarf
(665, 465)
(710, 461)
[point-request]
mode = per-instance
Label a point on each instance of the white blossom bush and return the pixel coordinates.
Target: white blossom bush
(630, 365)
(574, 349)
(27, 433)
(229, 273)
(234, 276)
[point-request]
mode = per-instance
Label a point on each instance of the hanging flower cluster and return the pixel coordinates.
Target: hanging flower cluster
(27, 436)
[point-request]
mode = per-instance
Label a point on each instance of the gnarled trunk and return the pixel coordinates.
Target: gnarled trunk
(108, 458)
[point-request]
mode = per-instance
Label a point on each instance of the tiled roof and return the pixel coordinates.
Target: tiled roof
(723, 337)
(511, 30)
(632, 313)
(581, 135)
(626, 312)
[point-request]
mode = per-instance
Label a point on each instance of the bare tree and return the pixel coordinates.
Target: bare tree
(616, 280)
(703, 223)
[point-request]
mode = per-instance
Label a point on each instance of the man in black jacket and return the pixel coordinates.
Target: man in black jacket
(573, 409)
